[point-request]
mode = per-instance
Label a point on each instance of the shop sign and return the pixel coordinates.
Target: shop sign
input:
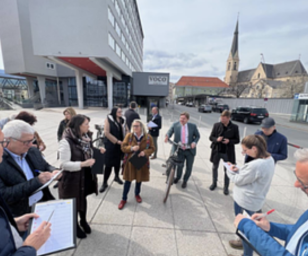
(158, 80)
(303, 96)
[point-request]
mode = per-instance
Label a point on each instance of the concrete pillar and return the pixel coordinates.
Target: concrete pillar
(30, 87)
(42, 87)
(79, 85)
(110, 89)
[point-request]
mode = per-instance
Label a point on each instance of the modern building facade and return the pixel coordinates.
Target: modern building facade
(79, 52)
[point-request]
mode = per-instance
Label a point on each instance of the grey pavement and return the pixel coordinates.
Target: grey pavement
(194, 221)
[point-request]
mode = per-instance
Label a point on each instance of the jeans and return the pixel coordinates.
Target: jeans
(127, 188)
(248, 251)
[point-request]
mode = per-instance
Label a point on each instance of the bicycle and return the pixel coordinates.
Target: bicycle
(100, 136)
(172, 163)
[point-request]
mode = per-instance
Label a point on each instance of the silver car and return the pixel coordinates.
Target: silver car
(205, 108)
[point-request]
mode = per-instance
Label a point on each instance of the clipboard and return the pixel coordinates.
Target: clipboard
(62, 215)
(243, 237)
(47, 183)
(98, 166)
(138, 162)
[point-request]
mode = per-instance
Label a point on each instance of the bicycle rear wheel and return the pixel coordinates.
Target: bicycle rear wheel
(171, 171)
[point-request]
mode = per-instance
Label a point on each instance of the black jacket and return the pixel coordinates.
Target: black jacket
(7, 243)
(14, 186)
(130, 116)
(155, 131)
(232, 133)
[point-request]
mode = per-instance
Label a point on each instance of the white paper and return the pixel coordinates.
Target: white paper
(228, 166)
(152, 124)
(48, 182)
(34, 198)
(62, 228)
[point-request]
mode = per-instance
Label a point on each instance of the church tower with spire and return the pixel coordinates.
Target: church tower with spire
(233, 61)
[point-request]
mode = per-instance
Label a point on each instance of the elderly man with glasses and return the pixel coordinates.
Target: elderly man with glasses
(294, 235)
(23, 169)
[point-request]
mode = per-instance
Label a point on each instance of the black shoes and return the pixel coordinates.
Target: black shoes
(184, 184)
(176, 180)
(118, 180)
(85, 226)
(80, 233)
(103, 187)
(213, 186)
(226, 191)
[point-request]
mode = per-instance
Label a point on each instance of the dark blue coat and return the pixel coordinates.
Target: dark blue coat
(265, 244)
(155, 131)
(7, 244)
(277, 145)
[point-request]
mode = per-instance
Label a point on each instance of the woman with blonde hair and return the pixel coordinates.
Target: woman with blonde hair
(68, 114)
(140, 142)
(253, 180)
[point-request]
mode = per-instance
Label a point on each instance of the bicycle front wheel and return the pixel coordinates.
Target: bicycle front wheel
(170, 171)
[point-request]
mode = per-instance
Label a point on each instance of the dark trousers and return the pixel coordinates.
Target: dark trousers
(127, 188)
(248, 251)
(215, 167)
(185, 155)
(155, 145)
(108, 170)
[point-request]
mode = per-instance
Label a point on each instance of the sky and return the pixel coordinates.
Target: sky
(194, 37)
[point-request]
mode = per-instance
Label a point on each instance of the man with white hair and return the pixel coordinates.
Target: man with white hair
(23, 169)
(295, 236)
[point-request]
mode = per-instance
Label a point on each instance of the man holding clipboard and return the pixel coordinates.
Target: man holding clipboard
(154, 126)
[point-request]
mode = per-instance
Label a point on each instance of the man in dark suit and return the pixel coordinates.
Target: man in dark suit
(154, 132)
(187, 133)
(224, 136)
(19, 177)
(131, 115)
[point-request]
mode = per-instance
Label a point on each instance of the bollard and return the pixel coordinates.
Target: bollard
(244, 133)
(199, 120)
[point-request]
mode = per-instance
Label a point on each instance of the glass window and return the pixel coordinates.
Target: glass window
(118, 8)
(123, 56)
(118, 29)
(123, 38)
(111, 41)
(110, 17)
(118, 50)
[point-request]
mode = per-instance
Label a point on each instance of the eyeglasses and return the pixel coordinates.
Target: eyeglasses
(302, 183)
(136, 126)
(5, 143)
(25, 142)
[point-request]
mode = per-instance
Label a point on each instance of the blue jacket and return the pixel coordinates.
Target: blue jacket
(277, 145)
(265, 244)
(7, 244)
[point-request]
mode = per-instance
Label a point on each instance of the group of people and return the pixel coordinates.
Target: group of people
(21, 152)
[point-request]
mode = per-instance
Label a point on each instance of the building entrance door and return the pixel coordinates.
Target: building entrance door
(95, 94)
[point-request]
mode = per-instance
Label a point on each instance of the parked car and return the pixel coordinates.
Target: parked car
(189, 104)
(205, 108)
(220, 108)
(249, 114)
(180, 103)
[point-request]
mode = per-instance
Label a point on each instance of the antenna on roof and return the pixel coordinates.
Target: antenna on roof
(238, 15)
(299, 57)
(262, 58)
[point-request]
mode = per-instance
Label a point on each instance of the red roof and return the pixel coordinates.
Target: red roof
(201, 82)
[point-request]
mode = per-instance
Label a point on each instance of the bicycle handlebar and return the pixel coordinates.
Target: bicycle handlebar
(179, 144)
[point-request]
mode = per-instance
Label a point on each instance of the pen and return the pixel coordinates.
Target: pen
(50, 216)
(265, 214)
(37, 171)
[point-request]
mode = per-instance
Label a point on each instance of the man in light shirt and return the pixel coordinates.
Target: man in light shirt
(186, 133)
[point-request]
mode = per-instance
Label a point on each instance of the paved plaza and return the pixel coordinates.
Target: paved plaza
(194, 221)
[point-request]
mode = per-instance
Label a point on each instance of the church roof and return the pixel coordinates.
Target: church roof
(275, 84)
(245, 76)
(201, 82)
(234, 47)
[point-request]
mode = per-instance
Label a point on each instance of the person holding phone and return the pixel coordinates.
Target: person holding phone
(253, 180)
(224, 136)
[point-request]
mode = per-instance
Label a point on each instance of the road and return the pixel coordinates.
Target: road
(297, 136)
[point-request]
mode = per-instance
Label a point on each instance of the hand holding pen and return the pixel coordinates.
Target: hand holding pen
(261, 221)
(44, 176)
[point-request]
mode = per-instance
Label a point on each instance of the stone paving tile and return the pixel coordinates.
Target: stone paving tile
(152, 241)
(196, 243)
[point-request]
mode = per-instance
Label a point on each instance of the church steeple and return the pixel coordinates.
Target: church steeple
(233, 60)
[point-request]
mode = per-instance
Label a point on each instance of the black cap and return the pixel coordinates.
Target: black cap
(268, 122)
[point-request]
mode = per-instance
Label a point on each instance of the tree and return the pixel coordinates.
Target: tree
(236, 90)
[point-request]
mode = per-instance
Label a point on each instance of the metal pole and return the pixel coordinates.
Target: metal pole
(244, 133)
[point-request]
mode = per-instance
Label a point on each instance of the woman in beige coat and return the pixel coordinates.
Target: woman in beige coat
(138, 140)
